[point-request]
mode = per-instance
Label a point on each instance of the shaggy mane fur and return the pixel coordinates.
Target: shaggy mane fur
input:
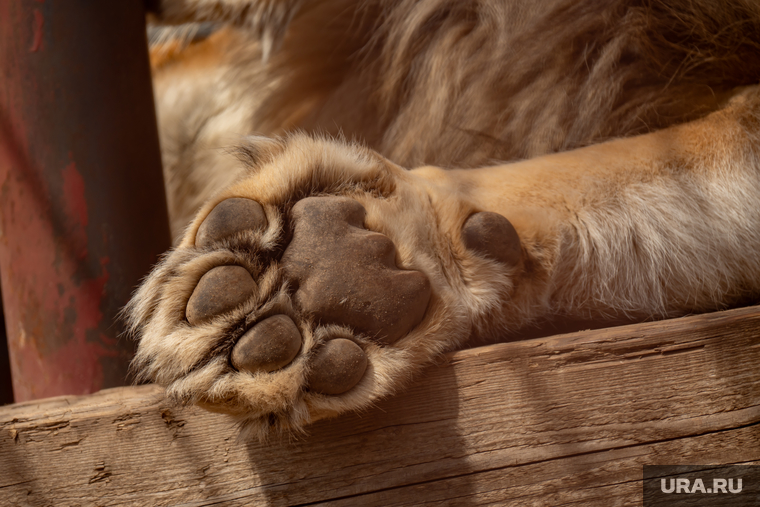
(450, 83)
(459, 84)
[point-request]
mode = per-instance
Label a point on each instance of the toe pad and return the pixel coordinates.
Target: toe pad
(493, 236)
(229, 217)
(218, 291)
(270, 345)
(338, 367)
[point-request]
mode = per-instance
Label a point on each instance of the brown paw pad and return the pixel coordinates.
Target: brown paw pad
(219, 291)
(493, 236)
(268, 346)
(229, 217)
(338, 366)
(347, 274)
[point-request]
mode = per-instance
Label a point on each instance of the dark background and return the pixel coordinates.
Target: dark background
(6, 389)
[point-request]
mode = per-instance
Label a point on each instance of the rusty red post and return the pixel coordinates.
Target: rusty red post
(82, 205)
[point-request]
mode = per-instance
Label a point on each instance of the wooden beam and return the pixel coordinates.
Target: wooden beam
(566, 419)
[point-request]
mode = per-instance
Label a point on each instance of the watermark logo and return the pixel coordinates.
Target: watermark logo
(709, 485)
(683, 486)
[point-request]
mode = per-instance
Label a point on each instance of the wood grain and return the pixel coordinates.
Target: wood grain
(568, 419)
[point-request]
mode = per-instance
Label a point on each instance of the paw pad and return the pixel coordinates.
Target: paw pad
(270, 345)
(220, 290)
(338, 366)
(338, 272)
(493, 236)
(229, 217)
(347, 274)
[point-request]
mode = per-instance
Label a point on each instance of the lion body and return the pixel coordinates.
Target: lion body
(620, 138)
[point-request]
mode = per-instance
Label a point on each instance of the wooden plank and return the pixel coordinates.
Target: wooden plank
(565, 419)
(605, 478)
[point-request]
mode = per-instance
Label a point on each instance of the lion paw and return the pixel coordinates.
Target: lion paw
(341, 274)
(312, 287)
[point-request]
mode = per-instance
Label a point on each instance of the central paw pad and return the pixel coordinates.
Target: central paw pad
(348, 275)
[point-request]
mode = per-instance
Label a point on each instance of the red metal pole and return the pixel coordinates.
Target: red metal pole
(82, 205)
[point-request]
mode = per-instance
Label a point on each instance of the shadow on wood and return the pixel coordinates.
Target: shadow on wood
(565, 419)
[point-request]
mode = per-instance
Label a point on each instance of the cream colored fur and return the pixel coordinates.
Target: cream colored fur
(649, 226)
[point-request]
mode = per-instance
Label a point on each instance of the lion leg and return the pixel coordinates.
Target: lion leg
(653, 226)
(327, 275)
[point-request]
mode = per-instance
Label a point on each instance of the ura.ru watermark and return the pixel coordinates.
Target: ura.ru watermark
(683, 485)
(701, 485)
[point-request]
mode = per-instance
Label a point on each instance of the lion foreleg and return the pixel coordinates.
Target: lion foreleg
(647, 227)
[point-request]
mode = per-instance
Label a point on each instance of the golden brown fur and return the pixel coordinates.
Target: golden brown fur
(455, 84)
(652, 226)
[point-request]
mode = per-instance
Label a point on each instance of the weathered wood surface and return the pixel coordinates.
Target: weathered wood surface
(569, 419)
